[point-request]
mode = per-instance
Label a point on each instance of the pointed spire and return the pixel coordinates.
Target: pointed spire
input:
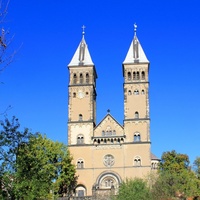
(135, 53)
(82, 55)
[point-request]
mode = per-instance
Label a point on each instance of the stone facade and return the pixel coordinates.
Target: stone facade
(107, 153)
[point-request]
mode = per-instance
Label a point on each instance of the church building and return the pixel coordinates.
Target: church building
(107, 153)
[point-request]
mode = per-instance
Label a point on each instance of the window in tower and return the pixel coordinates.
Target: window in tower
(74, 94)
(136, 92)
(81, 78)
(87, 78)
(137, 137)
(129, 92)
(136, 115)
(143, 75)
(80, 139)
(137, 76)
(137, 161)
(80, 164)
(80, 117)
(75, 79)
(142, 92)
(134, 76)
(129, 76)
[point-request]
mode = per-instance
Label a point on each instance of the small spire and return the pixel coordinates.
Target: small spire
(135, 28)
(83, 32)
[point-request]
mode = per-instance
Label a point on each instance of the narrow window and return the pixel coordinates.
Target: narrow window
(137, 162)
(103, 133)
(129, 92)
(75, 79)
(80, 139)
(136, 137)
(74, 94)
(80, 117)
(134, 76)
(143, 75)
(87, 78)
(138, 76)
(129, 76)
(136, 92)
(80, 164)
(136, 115)
(142, 92)
(81, 78)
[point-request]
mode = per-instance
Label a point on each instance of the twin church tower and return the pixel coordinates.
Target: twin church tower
(107, 153)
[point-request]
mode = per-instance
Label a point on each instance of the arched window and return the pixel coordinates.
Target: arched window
(80, 139)
(136, 115)
(129, 76)
(134, 76)
(80, 191)
(138, 76)
(80, 117)
(136, 92)
(103, 133)
(80, 164)
(129, 92)
(143, 75)
(137, 137)
(114, 132)
(81, 78)
(154, 165)
(137, 161)
(142, 92)
(74, 79)
(87, 78)
(74, 94)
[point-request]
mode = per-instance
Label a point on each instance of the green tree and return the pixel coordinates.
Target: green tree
(134, 189)
(197, 167)
(40, 163)
(175, 177)
(10, 140)
(172, 161)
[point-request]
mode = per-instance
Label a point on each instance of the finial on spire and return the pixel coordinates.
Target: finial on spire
(108, 111)
(135, 28)
(83, 32)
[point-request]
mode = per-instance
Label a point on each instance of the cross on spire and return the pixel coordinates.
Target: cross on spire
(135, 28)
(83, 27)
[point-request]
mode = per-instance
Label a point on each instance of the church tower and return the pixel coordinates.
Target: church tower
(82, 96)
(107, 153)
(136, 100)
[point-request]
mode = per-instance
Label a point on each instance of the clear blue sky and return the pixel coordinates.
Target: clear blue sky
(36, 83)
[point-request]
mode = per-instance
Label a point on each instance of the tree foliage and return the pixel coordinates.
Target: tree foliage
(31, 165)
(40, 163)
(172, 161)
(134, 189)
(10, 140)
(197, 167)
(175, 177)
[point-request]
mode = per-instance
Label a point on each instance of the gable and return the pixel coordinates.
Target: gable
(108, 127)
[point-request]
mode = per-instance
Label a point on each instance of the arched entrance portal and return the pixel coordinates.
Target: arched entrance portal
(107, 182)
